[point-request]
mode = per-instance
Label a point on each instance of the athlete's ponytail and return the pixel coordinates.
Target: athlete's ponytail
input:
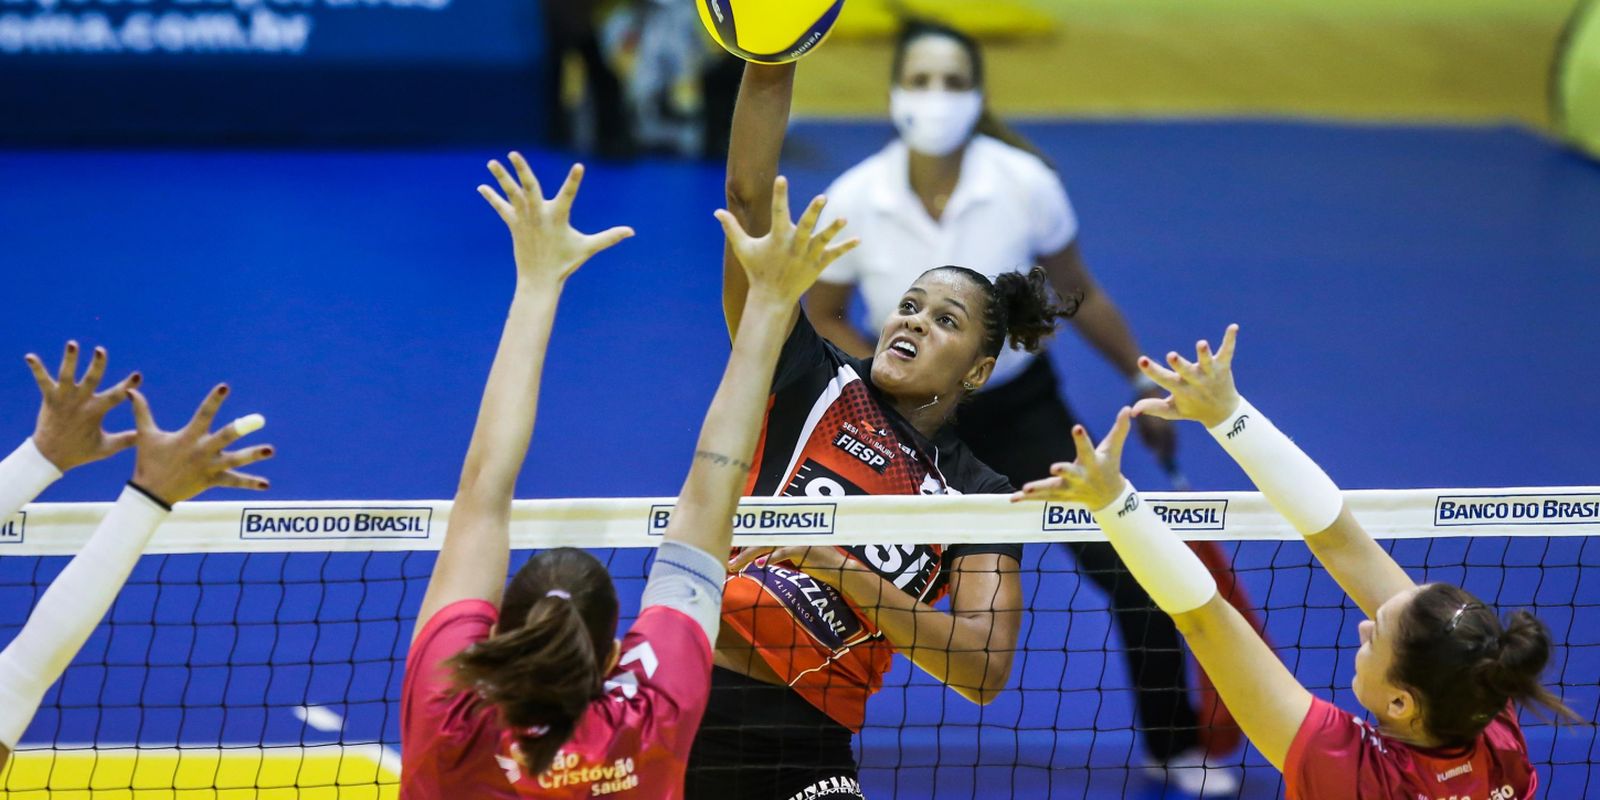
(547, 661)
(1022, 308)
(1465, 665)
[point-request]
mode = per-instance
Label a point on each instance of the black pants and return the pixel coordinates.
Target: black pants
(765, 742)
(1019, 429)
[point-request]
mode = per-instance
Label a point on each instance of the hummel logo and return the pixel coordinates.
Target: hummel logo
(1238, 426)
(1130, 506)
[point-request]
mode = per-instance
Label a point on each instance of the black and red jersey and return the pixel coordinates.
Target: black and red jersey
(829, 432)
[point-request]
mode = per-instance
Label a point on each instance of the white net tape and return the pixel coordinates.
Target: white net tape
(62, 528)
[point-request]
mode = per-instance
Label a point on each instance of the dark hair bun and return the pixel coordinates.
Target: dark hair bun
(1523, 651)
(1028, 306)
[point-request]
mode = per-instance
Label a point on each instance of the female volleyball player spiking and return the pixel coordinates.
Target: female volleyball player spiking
(808, 633)
(1437, 669)
(520, 688)
(170, 467)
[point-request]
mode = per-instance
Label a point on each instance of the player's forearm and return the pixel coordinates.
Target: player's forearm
(1265, 699)
(1102, 325)
(1304, 494)
(72, 607)
(510, 401)
(23, 475)
(957, 650)
(728, 436)
(760, 122)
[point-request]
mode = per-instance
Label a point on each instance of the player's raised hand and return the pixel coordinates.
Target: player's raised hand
(785, 263)
(1202, 391)
(177, 465)
(1095, 479)
(69, 429)
(548, 248)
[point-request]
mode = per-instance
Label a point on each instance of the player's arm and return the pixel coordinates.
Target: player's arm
(476, 552)
(1101, 323)
(689, 570)
(1287, 477)
(1266, 699)
(778, 266)
(171, 467)
(760, 122)
(969, 649)
(68, 431)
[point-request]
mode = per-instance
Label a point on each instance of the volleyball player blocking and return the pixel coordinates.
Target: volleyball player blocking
(520, 688)
(1441, 673)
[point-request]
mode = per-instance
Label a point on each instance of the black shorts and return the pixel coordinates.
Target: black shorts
(765, 742)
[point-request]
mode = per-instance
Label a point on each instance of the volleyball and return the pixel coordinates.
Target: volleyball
(769, 31)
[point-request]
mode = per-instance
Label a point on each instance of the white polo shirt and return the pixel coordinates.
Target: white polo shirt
(1007, 212)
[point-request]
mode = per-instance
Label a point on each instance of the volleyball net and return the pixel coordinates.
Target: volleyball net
(258, 649)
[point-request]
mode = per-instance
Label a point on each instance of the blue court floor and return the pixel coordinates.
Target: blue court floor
(1418, 309)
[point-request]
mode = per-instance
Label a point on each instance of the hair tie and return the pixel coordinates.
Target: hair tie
(536, 731)
(561, 593)
(1455, 619)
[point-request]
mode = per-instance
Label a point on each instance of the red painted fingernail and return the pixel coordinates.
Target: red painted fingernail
(135, 379)
(266, 451)
(223, 389)
(72, 347)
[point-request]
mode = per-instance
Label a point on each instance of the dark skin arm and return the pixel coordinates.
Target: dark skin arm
(760, 121)
(826, 306)
(1102, 325)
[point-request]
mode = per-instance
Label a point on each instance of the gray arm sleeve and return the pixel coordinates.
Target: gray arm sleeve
(689, 580)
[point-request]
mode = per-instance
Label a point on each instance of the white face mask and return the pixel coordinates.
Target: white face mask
(935, 123)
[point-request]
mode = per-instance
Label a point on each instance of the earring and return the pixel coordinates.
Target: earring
(968, 386)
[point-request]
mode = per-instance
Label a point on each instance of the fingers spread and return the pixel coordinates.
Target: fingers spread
(504, 209)
(201, 421)
(834, 253)
(808, 219)
(1202, 351)
(40, 376)
(1165, 378)
(97, 369)
(1160, 407)
(1225, 353)
(530, 184)
(730, 226)
(1112, 445)
(114, 396)
(240, 480)
(780, 204)
(118, 442)
(250, 455)
(512, 191)
(68, 373)
(606, 239)
(143, 421)
(569, 191)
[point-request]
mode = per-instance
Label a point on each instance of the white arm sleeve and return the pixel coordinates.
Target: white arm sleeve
(690, 580)
(23, 475)
(71, 609)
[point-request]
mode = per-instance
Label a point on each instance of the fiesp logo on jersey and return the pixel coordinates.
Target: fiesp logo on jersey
(11, 530)
(1197, 514)
(768, 518)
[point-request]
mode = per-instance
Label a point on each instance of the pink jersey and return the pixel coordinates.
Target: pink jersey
(632, 743)
(1336, 755)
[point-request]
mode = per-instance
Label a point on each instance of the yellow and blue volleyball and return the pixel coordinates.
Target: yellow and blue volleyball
(769, 31)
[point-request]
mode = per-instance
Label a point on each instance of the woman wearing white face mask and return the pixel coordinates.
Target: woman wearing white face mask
(958, 187)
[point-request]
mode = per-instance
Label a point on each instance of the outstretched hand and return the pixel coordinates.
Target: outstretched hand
(785, 263)
(1094, 479)
(1202, 391)
(68, 431)
(548, 249)
(177, 465)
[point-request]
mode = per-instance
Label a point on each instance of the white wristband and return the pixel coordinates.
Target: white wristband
(71, 609)
(1286, 476)
(23, 475)
(1169, 571)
